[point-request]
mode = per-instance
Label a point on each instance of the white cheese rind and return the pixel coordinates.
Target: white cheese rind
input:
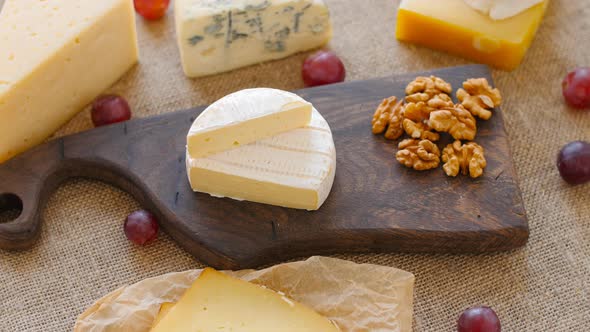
(501, 9)
(244, 117)
(294, 169)
(220, 35)
(55, 58)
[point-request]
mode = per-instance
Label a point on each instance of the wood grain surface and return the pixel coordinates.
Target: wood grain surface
(376, 204)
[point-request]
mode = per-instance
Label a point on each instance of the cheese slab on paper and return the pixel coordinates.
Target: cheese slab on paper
(215, 36)
(494, 32)
(218, 302)
(55, 57)
(246, 116)
(358, 297)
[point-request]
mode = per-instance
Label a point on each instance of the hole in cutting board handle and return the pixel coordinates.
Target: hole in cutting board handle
(11, 206)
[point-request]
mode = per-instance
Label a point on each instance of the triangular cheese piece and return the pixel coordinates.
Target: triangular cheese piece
(218, 302)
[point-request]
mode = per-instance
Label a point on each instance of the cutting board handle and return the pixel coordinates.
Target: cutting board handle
(25, 183)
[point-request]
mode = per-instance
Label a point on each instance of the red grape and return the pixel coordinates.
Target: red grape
(576, 88)
(151, 9)
(573, 162)
(323, 67)
(141, 227)
(110, 109)
(479, 319)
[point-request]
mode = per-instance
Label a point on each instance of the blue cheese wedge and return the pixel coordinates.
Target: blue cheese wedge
(215, 36)
(293, 169)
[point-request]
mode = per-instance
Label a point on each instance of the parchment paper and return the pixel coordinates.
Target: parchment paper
(358, 297)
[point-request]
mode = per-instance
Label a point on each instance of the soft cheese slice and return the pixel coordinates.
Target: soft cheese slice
(218, 35)
(217, 302)
(294, 169)
(457, 27)
(244, 117)
(55, 57)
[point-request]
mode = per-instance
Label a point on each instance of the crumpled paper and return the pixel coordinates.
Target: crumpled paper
(358, 297)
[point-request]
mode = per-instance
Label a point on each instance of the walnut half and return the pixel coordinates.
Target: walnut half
(456, 121)
(467, 158)
(420, 155)
(429, 85)
(419, 111)
(479, 98)
(388, 118)
(419, 130)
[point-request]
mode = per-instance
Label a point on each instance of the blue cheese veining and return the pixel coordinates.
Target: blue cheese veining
(220, 35)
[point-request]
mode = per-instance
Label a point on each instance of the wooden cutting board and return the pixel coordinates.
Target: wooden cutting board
(376, 205)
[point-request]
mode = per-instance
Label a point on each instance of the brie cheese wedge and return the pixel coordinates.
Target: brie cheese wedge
(244, 117)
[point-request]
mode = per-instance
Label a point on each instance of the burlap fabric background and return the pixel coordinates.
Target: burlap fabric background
(83, 254)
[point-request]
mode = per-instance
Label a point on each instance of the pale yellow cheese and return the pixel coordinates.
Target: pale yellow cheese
(56, 56)
(217, 302)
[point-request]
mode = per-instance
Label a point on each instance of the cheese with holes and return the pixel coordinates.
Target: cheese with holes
(293, 169)
(244, 117)
(218, 302)
(220, 35)
(56, 57)
(494, 32)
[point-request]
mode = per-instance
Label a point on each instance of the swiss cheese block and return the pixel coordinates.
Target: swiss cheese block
(219, 35)
(456, 27)
(294, 169)
(55, 57)
(217, 302)
(244, 117)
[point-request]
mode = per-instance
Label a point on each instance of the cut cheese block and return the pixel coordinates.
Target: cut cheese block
(294, 169)
(217, 302)
(216, 36)
(456, 27)
(55, 57)
(244, 117)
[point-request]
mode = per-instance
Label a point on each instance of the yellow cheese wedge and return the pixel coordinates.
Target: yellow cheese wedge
(164, 309)
(217, 302)
(56, 57)
(457, 28)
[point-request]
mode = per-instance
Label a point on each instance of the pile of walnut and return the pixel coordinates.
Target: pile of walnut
(429, 110)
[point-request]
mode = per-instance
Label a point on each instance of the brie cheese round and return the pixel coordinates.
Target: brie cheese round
(292, 169)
